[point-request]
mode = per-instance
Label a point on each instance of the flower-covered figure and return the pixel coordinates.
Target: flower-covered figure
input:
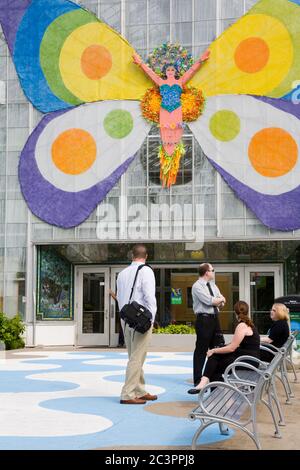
(171, 81)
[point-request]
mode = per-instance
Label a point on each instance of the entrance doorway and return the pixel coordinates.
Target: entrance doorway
(97, 311)
(91, 306)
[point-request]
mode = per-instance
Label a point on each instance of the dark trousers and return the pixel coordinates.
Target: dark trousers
(207, 327)
(217, 364)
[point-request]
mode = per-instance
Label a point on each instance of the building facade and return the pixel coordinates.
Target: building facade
(59, 279)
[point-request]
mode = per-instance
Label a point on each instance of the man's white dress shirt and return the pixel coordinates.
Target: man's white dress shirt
(144, 290)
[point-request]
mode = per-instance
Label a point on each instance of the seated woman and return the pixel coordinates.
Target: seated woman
(245, 341)
(279, 331)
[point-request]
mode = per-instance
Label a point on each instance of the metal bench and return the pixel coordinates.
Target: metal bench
(234, 402)
(286, 350)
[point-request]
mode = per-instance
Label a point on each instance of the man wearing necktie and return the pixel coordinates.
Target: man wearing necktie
(207, 300)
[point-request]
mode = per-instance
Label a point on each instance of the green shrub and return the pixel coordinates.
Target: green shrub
(175, 330)
(11, 330)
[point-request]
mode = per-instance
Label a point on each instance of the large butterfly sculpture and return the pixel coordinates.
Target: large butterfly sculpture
(80, 72)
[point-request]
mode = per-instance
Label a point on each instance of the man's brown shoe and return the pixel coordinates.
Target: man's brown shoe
(149, 397)
(133, 401)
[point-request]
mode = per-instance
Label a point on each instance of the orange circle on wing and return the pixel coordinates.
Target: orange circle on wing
(96, 62)
(273, 152)
(74, 151)
(252, 55)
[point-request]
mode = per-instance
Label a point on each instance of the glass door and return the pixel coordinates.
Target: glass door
(263, 285)
(92, 306)
(230, 281)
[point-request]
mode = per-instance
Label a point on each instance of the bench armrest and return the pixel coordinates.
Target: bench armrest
(232, 376)
(269, 347)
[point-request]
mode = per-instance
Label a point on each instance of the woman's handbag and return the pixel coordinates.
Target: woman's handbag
(134, 314)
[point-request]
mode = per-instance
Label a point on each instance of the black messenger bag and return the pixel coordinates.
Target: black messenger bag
(134, 314)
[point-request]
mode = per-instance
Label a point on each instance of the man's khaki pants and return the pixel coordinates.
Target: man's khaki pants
(137, 346)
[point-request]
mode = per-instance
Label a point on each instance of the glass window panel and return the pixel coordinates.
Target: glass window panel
(12, 163)
(18, 115)
(205, 9)
(255, 228)
(231, 8)
(137, 36)
(2, 163)
(42, 232)
(91, 5)
(16, 211)
(198, 50)
(136, 12)
(2, 138)
(16, 138)
(61, 234)
(87, 231)
(229, 285)
(2, 187)
(13, 188)
(16, 235)
(250, 4)
(2, 212)
(15, 260)
(158, 34)
(2, 116)
(182, 33)
(226, 23)
(15, 93)
(12, 74)
(233, 227)
(182, 10)
(110, 12)
(159, 11)
(205, 32)
(261, 299)
(232, 207)
(93, 303)
(136, 176)
(36, 116)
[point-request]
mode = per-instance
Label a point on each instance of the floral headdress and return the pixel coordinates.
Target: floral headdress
(170, 54)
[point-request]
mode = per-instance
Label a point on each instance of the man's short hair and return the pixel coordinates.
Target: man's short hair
(203, 268)
(139, 251)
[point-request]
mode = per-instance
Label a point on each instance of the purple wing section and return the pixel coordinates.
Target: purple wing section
(11, 14)
(280, 212)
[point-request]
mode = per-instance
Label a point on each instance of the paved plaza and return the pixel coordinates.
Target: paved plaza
(69, 399)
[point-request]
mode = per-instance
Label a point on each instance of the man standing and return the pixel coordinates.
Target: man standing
(133, 391)
(206, 300)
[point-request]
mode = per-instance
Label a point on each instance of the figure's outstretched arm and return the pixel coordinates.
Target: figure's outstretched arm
(196, 66)
(154, 77)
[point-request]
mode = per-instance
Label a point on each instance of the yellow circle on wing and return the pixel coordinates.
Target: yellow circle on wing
(226, 71)
(113, 77)
(273, 152)
(74, 151)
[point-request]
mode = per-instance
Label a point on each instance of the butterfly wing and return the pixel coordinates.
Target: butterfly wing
(75, 157)
(259, 54)
(65, 56)
(254, 144)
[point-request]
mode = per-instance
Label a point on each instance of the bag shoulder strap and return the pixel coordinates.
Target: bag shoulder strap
(135, 278)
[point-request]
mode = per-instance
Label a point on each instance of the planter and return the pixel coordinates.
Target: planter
(163, 342)
(173, 342)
